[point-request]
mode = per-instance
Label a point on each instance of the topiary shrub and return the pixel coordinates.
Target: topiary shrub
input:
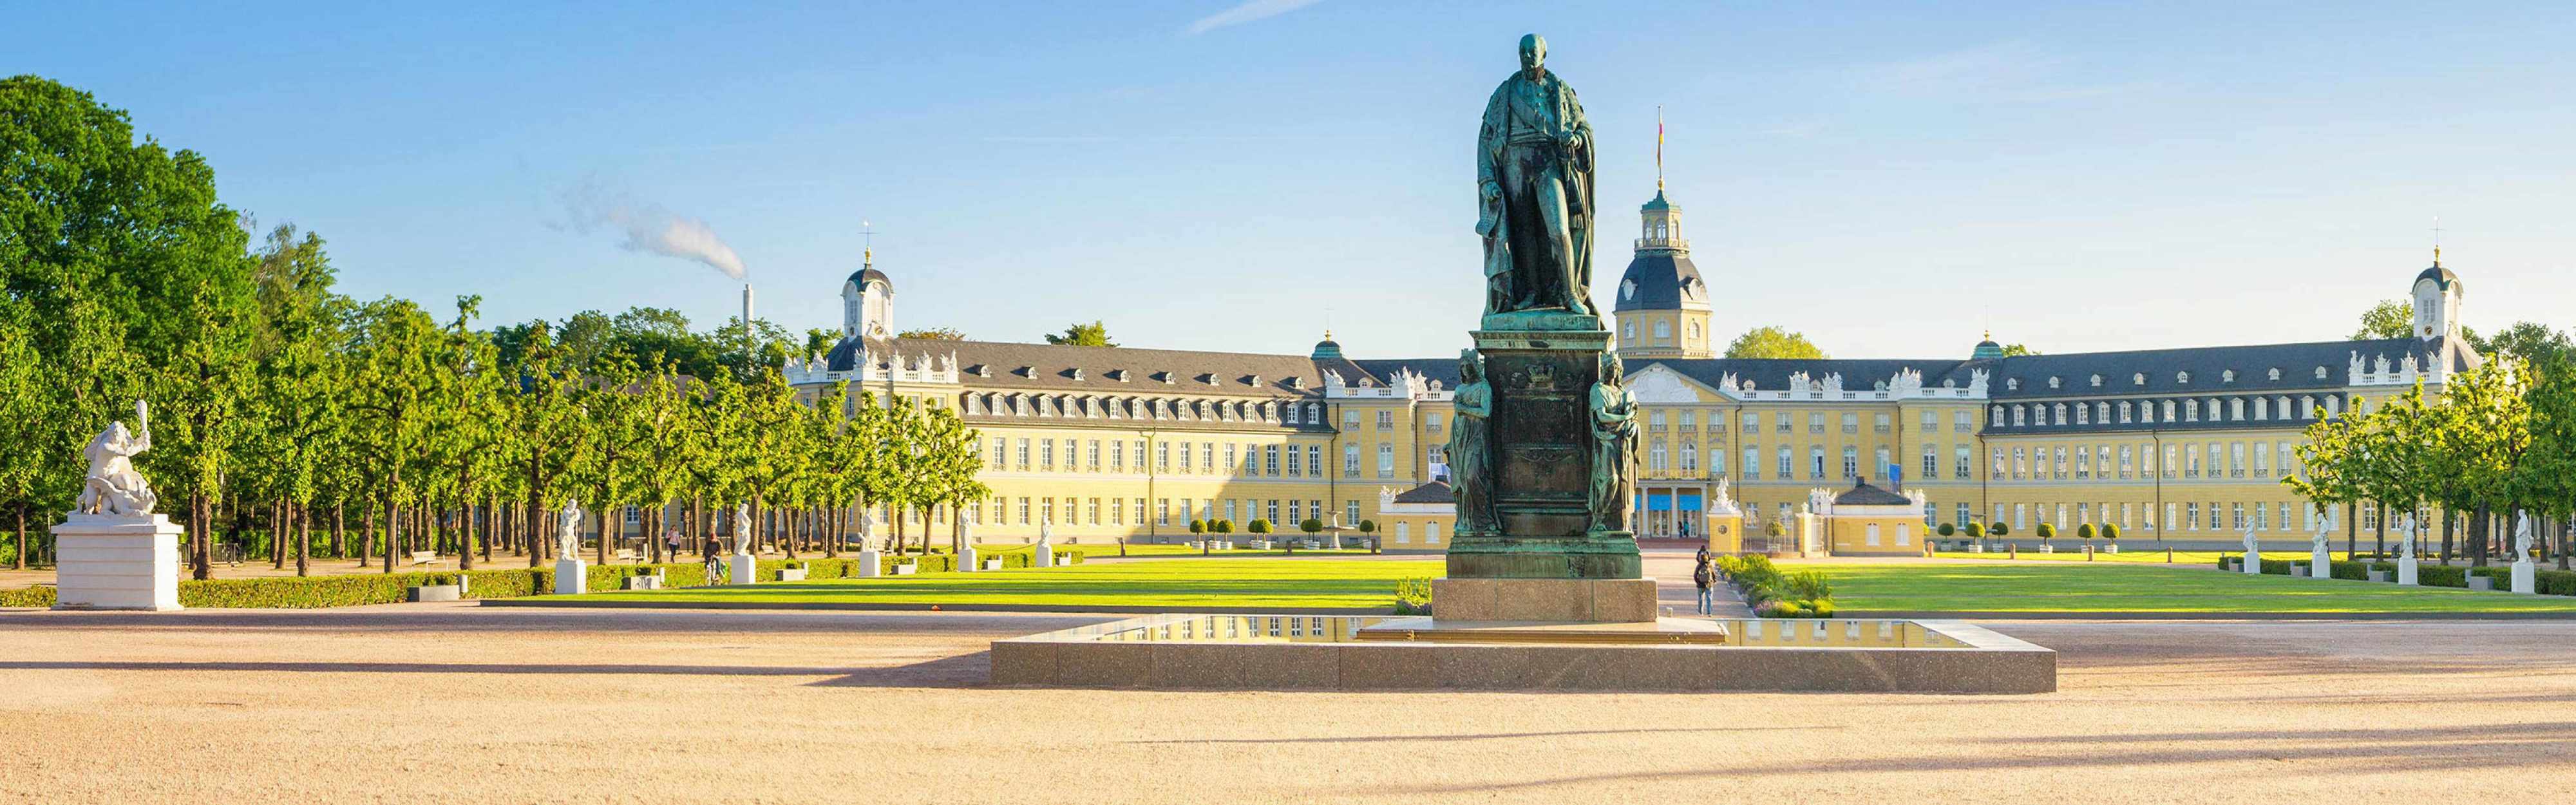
(1976, 531)
(2111, 531)
(2000, 530)
(1947, 530)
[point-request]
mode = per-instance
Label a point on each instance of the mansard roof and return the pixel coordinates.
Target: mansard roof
(996, 365)
(1863, 494)
(2207, 369)
(1433, 492)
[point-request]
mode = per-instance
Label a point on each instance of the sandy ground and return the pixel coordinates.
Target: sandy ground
(452, 703)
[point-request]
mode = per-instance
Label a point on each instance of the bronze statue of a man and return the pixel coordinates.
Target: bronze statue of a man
(1614, 449)
(1471, 467)
(1534, 178)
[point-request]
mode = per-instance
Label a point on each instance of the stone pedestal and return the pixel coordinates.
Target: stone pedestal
(2254, 563)
(117, 562)
(871, 563)
(1556, 600)
(743, 569)
(572, 576)
(1541, 463)
(2406, 571)
(2526, 577)
(1043, 555)
(2321, 564)
(1725, 533)
(966, 559)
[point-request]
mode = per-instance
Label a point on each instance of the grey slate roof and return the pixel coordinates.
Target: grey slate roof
(1863, 494)
(862, 276)
(2208, 367)
(1433, 492)
(995, 365)
(1660, 280)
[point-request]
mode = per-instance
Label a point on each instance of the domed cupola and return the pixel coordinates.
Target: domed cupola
(867, 301)
(1987, 350)
(1327, 349)
(1661, 303)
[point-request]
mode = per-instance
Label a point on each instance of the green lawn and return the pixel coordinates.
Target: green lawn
(1097, 550)
(2122, 587)
(1178, 584)
(2135, 554)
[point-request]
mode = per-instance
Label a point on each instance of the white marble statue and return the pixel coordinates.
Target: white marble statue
(2522, 537)
(1722, 500)
(568, 530)
(742, 528)
(2252, 547)
(1046, 531)
(112, 486)
(2406, 538)
(2355, 371)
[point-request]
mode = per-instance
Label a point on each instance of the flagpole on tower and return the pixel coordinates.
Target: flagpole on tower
(1659, 149)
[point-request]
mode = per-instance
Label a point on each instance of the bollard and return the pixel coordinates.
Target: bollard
(2169, 554)
(2015, 549)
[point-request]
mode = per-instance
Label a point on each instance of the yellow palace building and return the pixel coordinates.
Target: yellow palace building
(1122, 443)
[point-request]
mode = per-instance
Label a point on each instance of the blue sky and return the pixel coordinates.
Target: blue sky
(1889, 178)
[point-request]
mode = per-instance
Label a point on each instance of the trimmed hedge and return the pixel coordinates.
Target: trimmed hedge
(313, 592)
(2546, 582)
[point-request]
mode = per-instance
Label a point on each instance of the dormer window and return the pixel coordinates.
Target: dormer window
(2321, 373)
(1296, 382)
(1119, 375)
(2138, 379)
(1164, 376)
(2012, 384)
(2276, 373)
(1077, 374)
(2182, 377)
(1255, 382)
(1026, 371)
(2052, 381)
(2097, 381)
(2227, 376)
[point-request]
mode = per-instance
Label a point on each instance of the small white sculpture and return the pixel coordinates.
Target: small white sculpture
(742, 528)
(2406, 540)
(2251, 546)
(568, 530)
(1046, 530)
(112, 486)
(2522, 537)
(1721, 500)
(2355, 370)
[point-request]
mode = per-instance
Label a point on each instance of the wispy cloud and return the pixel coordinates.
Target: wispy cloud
(1249, 11)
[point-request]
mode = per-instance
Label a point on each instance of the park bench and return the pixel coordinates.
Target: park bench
(423, 557)
(625, 554)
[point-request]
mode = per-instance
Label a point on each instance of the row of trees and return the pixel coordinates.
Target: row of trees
(2499, 441)
(284, 406)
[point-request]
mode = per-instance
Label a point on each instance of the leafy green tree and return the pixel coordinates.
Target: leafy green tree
(2015, 350)
(2390, 318)
(935, 334)
(1773, 342)
(1094, 334)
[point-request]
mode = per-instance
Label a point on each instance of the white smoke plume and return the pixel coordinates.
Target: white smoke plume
(649, 227)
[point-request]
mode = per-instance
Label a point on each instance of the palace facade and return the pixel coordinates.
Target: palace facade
(1120, 443)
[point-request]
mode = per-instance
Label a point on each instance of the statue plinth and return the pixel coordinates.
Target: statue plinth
(1542, 455)
(572, 576)
(117, 561)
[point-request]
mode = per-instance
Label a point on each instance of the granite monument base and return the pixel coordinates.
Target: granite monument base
(1557, 600)
(106, 561)
(743, 569)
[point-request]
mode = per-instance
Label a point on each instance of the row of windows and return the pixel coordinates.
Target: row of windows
(1086, 406)
(2188, 516)
(1127, 511)
(1786, 422)
(1785, 465)
(1206, 458)
(2183, 460)
(2213, 409)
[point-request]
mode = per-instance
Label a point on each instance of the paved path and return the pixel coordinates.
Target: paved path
(435, 702)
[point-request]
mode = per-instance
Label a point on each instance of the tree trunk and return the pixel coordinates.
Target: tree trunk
(277, 535)
(339, 531)
(303, 541)
(20, 562)
(393, 533)
(2478, 525)
(2450, 526)
(200, 554)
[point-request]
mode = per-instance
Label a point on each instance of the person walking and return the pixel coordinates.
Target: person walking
(1706, 578)
(1702, 556)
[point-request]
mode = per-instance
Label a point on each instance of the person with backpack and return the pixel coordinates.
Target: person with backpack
(1706, 578)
